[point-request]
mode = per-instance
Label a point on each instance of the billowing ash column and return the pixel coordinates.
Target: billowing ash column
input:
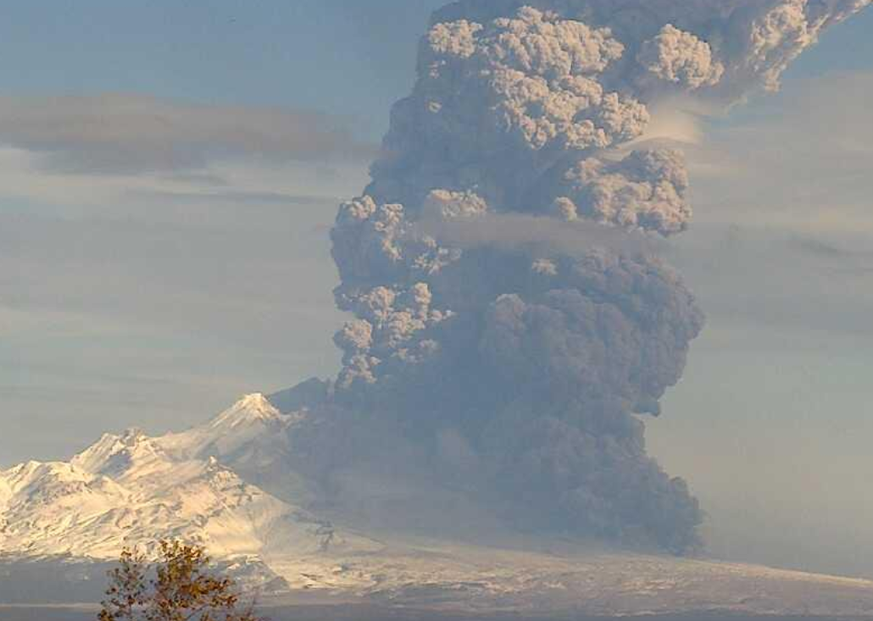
(509, 356)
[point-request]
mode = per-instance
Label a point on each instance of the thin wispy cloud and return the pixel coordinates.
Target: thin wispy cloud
(817, 129)
(121, 133)
(113, 205)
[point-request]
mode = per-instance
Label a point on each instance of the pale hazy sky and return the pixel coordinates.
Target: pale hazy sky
(156, 261)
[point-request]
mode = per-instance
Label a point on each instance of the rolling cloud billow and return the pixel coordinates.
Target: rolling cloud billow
(517, 366)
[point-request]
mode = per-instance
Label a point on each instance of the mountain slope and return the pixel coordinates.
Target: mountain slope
(130, 489)
(202, 486)
(253, 438)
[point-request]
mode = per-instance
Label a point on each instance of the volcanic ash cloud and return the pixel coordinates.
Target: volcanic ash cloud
(517, 365)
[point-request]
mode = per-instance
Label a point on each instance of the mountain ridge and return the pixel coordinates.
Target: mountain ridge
(229, 485)
(131, 490)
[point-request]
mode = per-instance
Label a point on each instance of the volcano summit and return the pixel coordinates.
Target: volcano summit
(514, 325)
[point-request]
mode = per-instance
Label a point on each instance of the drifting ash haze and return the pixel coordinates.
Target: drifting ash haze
(229, 485)
(513, 328)
(517, 365)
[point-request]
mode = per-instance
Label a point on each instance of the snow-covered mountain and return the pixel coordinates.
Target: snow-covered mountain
(230, 486)
(253, 438)
(131, 489)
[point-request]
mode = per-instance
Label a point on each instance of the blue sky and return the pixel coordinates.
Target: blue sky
(155, 297)
(345, 57)
(306, 53)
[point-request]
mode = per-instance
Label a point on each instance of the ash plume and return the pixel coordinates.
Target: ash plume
(515, 360)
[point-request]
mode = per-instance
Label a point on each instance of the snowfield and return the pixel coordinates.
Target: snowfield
(209, 486)
(131, 490)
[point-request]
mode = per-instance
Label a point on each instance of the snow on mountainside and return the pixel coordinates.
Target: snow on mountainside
(212, 485)
(252, 437)
(250, 422)
(130, 489)
(5, 494)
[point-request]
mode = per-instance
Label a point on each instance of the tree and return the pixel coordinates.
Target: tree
(178, 587)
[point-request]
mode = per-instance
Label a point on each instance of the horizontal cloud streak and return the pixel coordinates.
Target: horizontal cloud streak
(816, 128)
(507, 231)
(782, 196)
(119, 133)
